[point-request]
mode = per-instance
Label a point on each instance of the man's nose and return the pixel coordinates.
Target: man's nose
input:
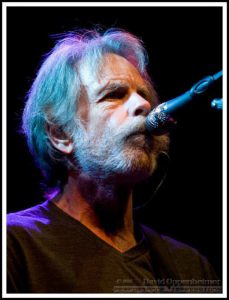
(137, 105)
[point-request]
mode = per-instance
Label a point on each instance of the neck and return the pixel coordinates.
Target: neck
(104, 208)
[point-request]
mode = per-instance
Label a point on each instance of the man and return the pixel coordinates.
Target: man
(85, 124)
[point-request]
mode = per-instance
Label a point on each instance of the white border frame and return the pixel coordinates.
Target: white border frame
(4, 152)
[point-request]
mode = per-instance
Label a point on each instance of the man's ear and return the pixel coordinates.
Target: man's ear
(60, 140)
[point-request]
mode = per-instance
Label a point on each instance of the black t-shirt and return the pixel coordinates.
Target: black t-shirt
(48, 251)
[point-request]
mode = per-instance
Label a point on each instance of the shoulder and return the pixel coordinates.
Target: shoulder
(187, 260)
(29, 219)
(173, 245)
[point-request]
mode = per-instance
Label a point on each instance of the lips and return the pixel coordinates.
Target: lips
(141, 140)
(137, 137)
(137, 133)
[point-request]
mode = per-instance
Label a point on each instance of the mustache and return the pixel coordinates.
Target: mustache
(136, 126)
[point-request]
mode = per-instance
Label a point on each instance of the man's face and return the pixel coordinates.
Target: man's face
(114, 103)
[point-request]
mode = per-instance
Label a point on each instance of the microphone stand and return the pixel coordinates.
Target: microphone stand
(159, 120)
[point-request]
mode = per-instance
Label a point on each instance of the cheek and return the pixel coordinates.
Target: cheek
(97, 122)
(83, 110)
(112, 117)
(118, 116)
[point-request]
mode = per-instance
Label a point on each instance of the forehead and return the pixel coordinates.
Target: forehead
(113, 64)
(111, 67)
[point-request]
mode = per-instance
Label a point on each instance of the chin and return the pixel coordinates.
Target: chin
(137, 166)
(143, 165)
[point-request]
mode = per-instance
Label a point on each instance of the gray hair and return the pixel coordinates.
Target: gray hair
(53, 97)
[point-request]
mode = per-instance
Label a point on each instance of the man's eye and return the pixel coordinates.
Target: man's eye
(118, 94)
(144, 94)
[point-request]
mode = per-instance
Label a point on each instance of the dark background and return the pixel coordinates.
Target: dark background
(184, 45)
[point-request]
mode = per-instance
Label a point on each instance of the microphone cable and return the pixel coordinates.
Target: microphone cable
(159, 184)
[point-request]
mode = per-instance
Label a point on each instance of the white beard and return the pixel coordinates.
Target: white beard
(115, 156)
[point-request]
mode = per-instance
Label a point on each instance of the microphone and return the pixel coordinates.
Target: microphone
(160, 120)
(217, 103)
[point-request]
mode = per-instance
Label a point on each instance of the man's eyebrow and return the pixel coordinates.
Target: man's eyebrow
(143, 89)
(111, 86)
